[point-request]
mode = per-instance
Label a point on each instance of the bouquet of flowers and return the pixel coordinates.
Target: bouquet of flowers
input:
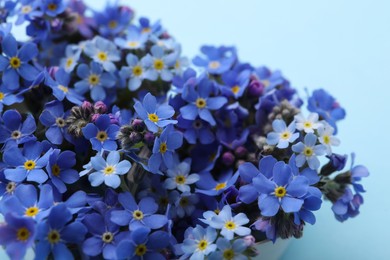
(115, 146)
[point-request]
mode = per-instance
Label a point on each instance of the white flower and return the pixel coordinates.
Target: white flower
(325, 136)
(308, 124)
(282, 135)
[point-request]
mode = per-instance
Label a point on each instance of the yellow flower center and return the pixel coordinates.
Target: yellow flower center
(93, 79)
(265, 82)
(53, 237)
(146, 30)
(163, 147)
(285, 135)
(214, 65)
(202, 244)
(1, 95)
(63, 88)
(133, 44)
(280, 192)
(69, 62)
(15, 62)
(109, 170)
(217, 211)
(52, 7)
(326, 139)
(200, 102)
(158, 64)
(22, 234)
(177, 64)
(307, 124)
(26, 9)
(102, 56)
(180, 179)
(101, 136)
(138, 215)
(230, 225)
(228, 254)
(107, 237)
(31, 211)
(137, 71)
(112, 24)
(308, 151)
(153, 117)
(55, 170)
(16, 134)
(140, 250)
(220, 186)
(235, 89)
(29, 165)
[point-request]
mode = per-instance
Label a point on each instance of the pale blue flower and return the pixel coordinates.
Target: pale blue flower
(108, 170)
(282, 135)
(308, 151)
(102, 51)
(179, 177)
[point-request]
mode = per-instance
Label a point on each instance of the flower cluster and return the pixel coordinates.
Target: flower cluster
(115, 146)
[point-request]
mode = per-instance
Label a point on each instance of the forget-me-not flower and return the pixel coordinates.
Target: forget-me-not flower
(308, 151)
(282, 135)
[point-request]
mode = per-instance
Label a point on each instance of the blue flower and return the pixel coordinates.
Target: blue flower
(347, 206)
(160, 64)
(135, 71)
(308, 124)
(105, 236)
(113, 19)
(60, 169)
(143, 245)
(312, 202)
(61, 89)
(185, 203)
(15, 63)
(164, 148)
(230, 225)
(154, 115)
(308, 151)
(94, 80)
(235, 83)
(198, 242)
(148, 28)
(56, 232)
(179, 177)
(200, 102)
(17, 235)
(14, 131)
(107, 171)
(28, 11)
(217, 60)
(53, 117)
(229, 250)
(134, 39)
(72, 56)
(53, 7)
(138, 215)
(27, 165)
(209, 186)
(102, 134)
(326, 106)
(285, 190)
(102, 51)
(283, 135)
(9, 97)
(326, 137)
(196, 129)
(25, 202)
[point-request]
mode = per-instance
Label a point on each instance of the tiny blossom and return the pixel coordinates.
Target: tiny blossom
(229, 224)
(135, 71)
(229, 250)
(283, 135)
(179, 177)
(160, 64)
(107, 171)
(308, 124)
(198, 242)
(326, 137)
(102, 51)
(308, 151)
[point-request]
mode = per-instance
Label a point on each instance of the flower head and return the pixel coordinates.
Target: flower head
(107, 171)
(103, 51)
(102, 134)
(282, 135)
(199, 242)
(14, 131)
(308, 151)
(154, 115)
(179, 177)
(216, 60)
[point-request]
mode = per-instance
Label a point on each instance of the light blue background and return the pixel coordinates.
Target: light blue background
(340, 45)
